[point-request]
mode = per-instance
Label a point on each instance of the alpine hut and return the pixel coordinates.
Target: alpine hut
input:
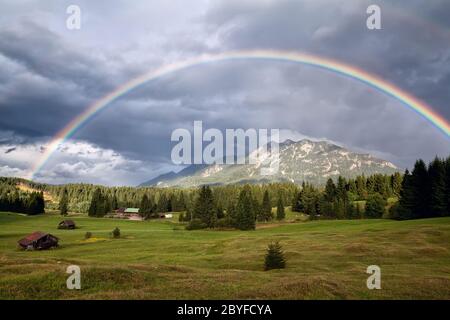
(66, 224)
(38, 241)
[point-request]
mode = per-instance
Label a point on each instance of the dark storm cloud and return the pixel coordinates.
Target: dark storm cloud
(47, 81)
(45, 54)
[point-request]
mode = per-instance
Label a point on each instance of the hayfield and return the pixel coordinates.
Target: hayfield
(161, 260)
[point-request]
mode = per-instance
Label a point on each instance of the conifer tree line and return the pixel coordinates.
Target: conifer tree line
(348, 198)
(153, 200)
(14, 200)
(85, 198)
(241, 213)
(103, 201)
(425, 191)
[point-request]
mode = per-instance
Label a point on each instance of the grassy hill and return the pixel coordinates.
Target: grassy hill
(160, 260)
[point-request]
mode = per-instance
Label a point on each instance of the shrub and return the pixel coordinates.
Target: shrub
(274, 257)
(226, 222)
(116, 233)
(375, 206)
(395, 212)
(88, 235)
(196, 224)
(280, 210)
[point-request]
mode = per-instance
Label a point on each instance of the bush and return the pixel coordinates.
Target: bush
(196, 224)
(375, 206)
(395, 212)
(274, 257)
(116, 233)
(226, 222)
(88, 235)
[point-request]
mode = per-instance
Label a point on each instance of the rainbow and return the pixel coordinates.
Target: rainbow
(349, 71)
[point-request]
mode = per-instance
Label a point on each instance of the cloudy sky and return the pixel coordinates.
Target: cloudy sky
(49, 74)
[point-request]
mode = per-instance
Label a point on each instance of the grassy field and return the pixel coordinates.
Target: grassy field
(160, 260)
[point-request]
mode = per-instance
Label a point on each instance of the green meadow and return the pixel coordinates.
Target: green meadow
(161, 260)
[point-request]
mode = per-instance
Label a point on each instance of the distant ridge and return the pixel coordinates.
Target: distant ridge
(304, 160)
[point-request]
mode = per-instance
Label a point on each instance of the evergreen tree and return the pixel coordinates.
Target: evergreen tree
(245, 214)
(326, 207)
(16, 203)
(204, 208)
(102, 204)
(114, 203)
(342, 199)
(396, 182)
(361, 188)
(341, 190)
(106, 205)
(116, 233)
(352, 187)
(257, 208)
(339, 208)
(267, 207)
(163, 203)
(179, 204)
(310, 198)
(313, 212)
(405, 207)
(232, 214)
(447, 185)
(330, 191)
(96, 206)
(35, 203)
(220, 213)
(63, 203)
(420, 184)
(145, 209)
(352, 212)
(189, 215)
(370, 184)
(280, 209)
(437, 191)
(297, 204)
(274, 257)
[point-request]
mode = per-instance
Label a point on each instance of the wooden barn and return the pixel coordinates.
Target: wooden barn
(38, 241)
(67, 224)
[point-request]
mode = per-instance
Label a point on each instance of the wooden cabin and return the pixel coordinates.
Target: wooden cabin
(38, 241)
(67, 224)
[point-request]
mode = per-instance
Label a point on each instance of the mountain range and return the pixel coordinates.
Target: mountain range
(299, 161)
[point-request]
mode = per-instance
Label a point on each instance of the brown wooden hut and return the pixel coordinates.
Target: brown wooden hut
(38, 241)
(67, 224)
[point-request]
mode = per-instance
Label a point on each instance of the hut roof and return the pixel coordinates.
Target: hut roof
(67, 223)
(35, 236)
(132, 210)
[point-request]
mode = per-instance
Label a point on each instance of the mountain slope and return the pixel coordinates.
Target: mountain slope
(300, 161)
